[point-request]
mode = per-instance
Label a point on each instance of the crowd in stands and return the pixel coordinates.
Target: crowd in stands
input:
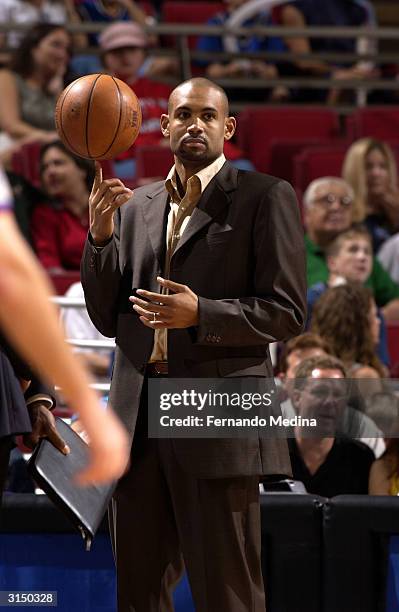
(350, 214)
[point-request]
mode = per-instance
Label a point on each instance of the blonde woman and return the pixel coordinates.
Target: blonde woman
(370, 168)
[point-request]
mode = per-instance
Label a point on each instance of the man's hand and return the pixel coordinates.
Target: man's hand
(43, 426)
(175, 311)
(387, 203)
(105, 197)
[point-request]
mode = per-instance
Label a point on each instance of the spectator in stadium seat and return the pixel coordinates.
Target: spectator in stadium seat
(370, 168)
(355, 424)
(242, 67)
(59, 230)
(349, 259)
(327, 465)
(328, 205)
(30, 88)
(346, 318)
(31, 12)
(350, 13)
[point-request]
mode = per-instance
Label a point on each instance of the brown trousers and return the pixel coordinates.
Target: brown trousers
(162, 514)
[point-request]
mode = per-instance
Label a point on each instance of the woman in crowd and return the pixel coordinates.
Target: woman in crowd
(346, 318)
(29, 89)
(370, 168)
(59, 228)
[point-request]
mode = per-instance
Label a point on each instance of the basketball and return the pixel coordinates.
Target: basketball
(98, 116)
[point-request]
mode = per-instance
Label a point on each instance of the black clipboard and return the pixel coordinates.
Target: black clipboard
(54, 472)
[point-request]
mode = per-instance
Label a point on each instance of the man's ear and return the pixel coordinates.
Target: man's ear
(229, 127)
(164, 121)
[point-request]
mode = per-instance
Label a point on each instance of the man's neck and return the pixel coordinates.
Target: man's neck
(313, 450)
(185, 171)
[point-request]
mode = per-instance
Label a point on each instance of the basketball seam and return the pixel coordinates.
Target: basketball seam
(119, 121)
(60, 116)
(87, 118)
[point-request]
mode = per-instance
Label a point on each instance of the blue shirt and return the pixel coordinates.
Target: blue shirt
(249, 44)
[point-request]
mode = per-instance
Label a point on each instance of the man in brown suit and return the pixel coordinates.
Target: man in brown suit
(229, 247)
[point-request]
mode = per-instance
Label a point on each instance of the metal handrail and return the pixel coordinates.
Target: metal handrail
(178, 29)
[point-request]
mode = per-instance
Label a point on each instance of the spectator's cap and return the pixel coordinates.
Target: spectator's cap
(122, 34)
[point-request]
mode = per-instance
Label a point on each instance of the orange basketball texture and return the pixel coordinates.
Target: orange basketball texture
(98, 116)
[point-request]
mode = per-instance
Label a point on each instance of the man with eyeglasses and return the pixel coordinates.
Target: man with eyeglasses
(327, 465)
(328, 203)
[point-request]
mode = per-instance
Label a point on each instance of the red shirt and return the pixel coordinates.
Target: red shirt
(58, 237)
(153, 97)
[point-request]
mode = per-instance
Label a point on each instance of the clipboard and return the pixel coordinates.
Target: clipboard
(83, 506)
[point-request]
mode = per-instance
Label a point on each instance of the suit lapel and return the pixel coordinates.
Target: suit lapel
(155, 209)
(214, 199)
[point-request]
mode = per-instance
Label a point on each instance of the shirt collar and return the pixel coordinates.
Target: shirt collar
(204, 176)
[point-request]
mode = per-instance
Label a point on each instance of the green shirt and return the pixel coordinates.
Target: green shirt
(382, 285)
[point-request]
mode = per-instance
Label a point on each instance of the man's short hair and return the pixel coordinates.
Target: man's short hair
(356, 231)
(305, 341)
(202, 82)
(323, 362)
(309, 195)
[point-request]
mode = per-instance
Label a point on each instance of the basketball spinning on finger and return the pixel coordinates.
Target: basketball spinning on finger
(98, 116)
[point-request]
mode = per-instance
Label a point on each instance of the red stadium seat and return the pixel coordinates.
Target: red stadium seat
(378, 122)
(317, 162)
(258, 127)
(189, 12)
(61, 281)
(153, 161)
(393, 347)
(283, 152)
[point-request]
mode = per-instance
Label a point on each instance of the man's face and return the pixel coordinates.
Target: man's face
(323, 397)
(124, 62)
(197, 124)
(353, 261)
(293, 361)
(330, 212)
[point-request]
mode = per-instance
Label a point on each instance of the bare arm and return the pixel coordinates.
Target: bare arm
(292, 18)
(80, 40)
(24, 297)
(378, 481)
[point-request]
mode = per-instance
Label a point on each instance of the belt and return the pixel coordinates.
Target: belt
(157, 368)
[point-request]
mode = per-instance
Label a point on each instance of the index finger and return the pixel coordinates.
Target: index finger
(98, 178)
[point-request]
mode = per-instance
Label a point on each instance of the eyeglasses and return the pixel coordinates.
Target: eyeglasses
(330, 198)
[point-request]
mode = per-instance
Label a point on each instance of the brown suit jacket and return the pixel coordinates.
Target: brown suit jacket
(243, 254)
